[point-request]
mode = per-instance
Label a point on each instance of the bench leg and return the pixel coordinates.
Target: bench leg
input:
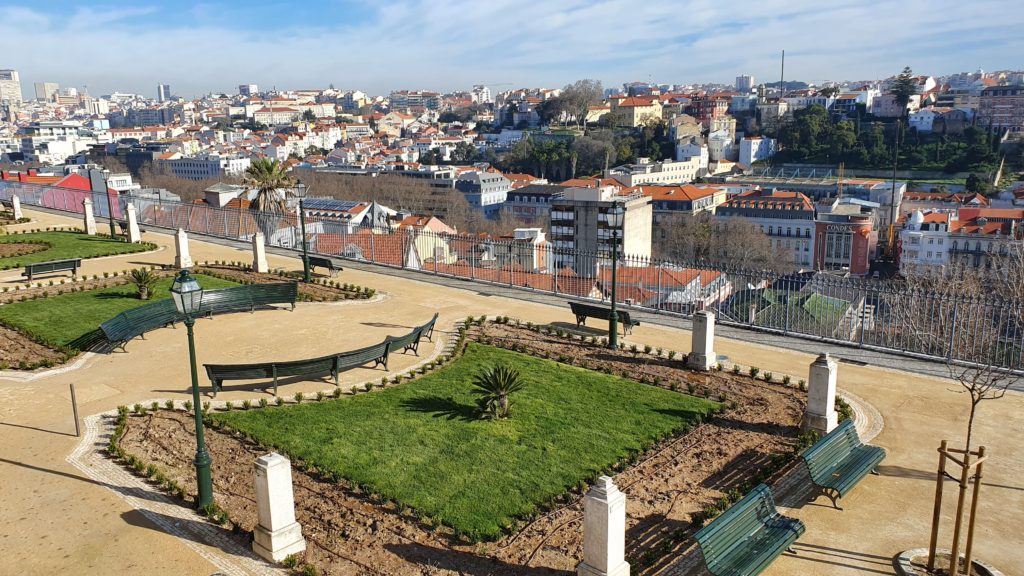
(874, 472)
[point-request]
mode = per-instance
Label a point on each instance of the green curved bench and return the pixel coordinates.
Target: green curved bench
(840, 460)
(122, 328)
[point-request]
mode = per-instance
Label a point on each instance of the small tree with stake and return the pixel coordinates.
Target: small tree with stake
(494, 387)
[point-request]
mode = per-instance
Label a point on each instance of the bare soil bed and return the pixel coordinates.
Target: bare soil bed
(20, 351)
(14, 249)
(349, 533)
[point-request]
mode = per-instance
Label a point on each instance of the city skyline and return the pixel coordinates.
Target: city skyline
(413, 44)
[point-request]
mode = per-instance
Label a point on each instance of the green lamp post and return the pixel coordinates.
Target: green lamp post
(616, 215)
(188, 297)
(300, 193)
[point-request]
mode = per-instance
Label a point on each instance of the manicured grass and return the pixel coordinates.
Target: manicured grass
(66, 245)
(422, 444)
(59, 320)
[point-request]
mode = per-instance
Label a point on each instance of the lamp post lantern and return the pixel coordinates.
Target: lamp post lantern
(616, 215)
(300, 193)
(188, 297)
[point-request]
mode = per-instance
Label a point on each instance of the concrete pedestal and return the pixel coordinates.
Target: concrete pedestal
(134, 235)
(820, 414)
(277, 534)
(702, 355)
(604, 531)
(259, 254)
(89, 220)
(16, 207)
(182, 259)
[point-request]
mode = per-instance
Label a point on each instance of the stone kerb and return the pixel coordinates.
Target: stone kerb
(277, 534)
(604, 531)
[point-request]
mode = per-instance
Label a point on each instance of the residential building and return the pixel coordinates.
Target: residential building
(885, 106)
(403, 99)
(430, 238)
(636, 111)
(163, 92)
(248, 90)
(786, 217)
(771, 114)
(924, 239)
(46, 90)
(532, 202)
(706, 108)
(744, 83)
(275, 115)
(485, 191)
(206, 166)
(527, 249)
(1000, 107)
(481, 94)
(10, 88)
(980, 236)
(755, 149)
(580, 235)
(646, 172)
(846, 236)
(721, 146)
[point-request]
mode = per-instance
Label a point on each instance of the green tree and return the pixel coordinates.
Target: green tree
(270, 179)
(903, 88)
(308, 116)
(975, 183)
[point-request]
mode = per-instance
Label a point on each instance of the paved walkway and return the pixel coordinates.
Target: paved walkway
(55, 519)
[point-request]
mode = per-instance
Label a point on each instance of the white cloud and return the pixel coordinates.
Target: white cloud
(446, 45)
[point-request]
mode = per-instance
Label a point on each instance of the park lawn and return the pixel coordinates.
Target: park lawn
(422, 444)
(59, 320)
(66, 245)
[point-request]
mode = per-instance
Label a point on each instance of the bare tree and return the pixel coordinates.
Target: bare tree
(731, 242)
(577, 97)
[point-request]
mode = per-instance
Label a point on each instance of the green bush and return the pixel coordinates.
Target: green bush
(279, 401)
(298, 397)
(754, 372)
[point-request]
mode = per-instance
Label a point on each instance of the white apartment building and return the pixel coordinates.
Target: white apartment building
(754, 149)
(665, 173)
(10, 88)
(580, 236)
(206, 166)
(46, 90)
(786, 217)
(924, 239)
(722, 147)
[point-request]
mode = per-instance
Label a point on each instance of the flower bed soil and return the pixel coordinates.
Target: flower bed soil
(21, 351)
(14, 249)
(350, 533)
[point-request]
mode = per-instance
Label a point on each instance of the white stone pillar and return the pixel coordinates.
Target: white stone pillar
(16, 207)
(259, 254)
(820, 414)
(182, 259)
(277, 534)
(90, 219)
(702, 350)
(134, 235)
(604, 531)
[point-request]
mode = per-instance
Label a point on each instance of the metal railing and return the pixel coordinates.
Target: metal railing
(856, 312)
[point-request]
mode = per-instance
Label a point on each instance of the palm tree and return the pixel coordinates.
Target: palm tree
(144, 280)
(494, 386)
(268, 177)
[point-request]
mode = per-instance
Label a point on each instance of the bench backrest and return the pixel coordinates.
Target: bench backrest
(218, 372)
(136, 321)
(321, 262)
(736, 524)
(54, 265)
(598, 312)
(309, 366)
(406, 339)
(249, 296)
(429, 326)
(831, 449)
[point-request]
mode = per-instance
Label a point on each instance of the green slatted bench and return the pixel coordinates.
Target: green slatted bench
(137, 321)
(747, 537)
(583, 311)
(428, 328)
(248, 297)
(72, 264)
(839, 461)
(378, 354)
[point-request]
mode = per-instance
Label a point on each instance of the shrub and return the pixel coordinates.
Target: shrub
(368, 386)
(229, 406)
(754, 372)
(320, 396)
(673, 387)
(337, 392)
(719, 367)
(691, 387)
(632, 348)
(279, 401)
(735, 368)
(246, 404)
(290, 561)
(671, 354)
(494, 387)
(658, 352)
(298, 397)
(263, 402)
(786, 380)
(187, 404)
(206, 407)
(139, 409)
(647, 348)
(803, 385)
(768, 376)
(383, 381)
(169, 404)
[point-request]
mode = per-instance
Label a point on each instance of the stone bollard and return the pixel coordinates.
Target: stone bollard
(604, 531)
(702, 351)
(16, 208)
(182, 259)
(820, 414)
(90, 219)
(277, 534)
(259, 254)
(134, 235)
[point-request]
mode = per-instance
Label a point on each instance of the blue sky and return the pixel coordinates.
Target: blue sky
(377, 46)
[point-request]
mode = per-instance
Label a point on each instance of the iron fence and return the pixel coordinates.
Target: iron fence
(868, 313)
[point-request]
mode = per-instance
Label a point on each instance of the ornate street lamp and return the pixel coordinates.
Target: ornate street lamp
(300, 193)
(616, 216)
(188, 297)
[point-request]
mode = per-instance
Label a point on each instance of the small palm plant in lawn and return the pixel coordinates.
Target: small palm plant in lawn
(494, 387)
(144, 281)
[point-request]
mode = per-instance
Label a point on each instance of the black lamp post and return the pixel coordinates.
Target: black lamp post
(616, 215)
(188, 297)
(300, 193)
